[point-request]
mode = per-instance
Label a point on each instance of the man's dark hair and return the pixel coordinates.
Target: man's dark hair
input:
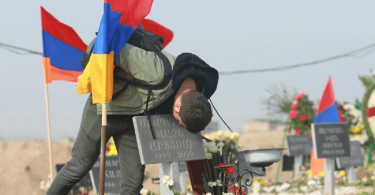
(195, 111)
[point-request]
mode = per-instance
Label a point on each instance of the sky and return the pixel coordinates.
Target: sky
(228, 35)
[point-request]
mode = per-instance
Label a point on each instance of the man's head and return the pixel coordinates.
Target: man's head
(193, 111)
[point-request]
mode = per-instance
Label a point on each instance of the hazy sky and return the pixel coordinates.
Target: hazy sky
(228, 35)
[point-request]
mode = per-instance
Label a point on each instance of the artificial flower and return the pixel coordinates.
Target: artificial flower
(300, 96)
(145, 191)
(294, 106)
(298, 131)
(293, 114)
(303, 117)
(234, 189)
(211, 184)
(229, 170)
(166, 179)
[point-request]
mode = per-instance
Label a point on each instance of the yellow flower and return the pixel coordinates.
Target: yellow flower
(215, 136)
(362, 126)
(227, 133)
(207, 136)
(342, 173)
(355, 129)
(308, 172)
(255, 181)
(189, 187)
(321, 174)
(370, 169)
(263, 182)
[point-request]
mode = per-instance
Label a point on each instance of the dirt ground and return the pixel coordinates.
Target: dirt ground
(25, 163)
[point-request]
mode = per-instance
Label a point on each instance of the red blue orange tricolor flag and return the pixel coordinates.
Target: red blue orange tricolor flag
(326, 113)
(62, 50)
(119, 21)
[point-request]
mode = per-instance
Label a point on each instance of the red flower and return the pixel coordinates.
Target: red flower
(300, 96)
(293, 114)
(310, 136)
(233, 189)
(294, 106)
(298, 131)
(229, 170)
(303, 117)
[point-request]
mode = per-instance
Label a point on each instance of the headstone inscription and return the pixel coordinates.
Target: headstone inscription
(173, 143)
(355, 159)
(112, 175)
(331, 140)
(298, 145)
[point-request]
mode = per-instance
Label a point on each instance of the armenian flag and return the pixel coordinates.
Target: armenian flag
(326, 113)
(327, 110)
(119, 21)
(62, 50)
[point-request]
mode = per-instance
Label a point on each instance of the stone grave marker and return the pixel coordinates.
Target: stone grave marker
(298, 146)
(355, 159)
(112, 175)
(173, 142)
(331, 140)
(349, 163)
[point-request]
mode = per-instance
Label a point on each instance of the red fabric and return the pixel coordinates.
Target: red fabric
(328, 97)
(133, 11)
(195, 169)
(371, 112)
(158, 29)
(61, 31)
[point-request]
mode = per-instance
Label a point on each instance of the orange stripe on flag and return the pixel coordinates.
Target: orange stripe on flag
(52, 73)
(316, 164)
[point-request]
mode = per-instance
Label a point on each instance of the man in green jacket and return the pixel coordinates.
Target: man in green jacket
(185, 96)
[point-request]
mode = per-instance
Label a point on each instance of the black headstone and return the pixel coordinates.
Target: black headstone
(173, 143)
(355, 159)
(331, 140)
(299, 145)
(112, 175)
(288, 162)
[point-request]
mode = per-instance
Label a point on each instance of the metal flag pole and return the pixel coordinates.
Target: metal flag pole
(49, 133)
(103, 150)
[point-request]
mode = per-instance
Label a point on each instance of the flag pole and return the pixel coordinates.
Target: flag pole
(103, 150)
(49, 133)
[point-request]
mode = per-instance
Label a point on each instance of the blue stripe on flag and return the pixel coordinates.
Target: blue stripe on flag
(62, 55)
(329, 115)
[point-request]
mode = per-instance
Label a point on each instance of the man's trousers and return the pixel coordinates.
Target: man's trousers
(86, 151)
